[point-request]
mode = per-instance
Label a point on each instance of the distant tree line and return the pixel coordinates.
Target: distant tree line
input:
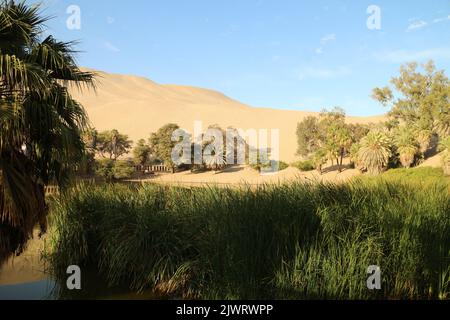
(418, 126)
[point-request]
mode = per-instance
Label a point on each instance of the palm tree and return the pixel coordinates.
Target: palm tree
(375, 152)
(424, 139)
(354, 158)
(444, 146)
(407, 147)
(319, 159)
(40, 124)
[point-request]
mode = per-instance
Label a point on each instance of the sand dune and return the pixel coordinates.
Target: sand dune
(138, 106)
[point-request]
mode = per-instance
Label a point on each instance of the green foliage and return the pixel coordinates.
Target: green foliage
(445, 148)
(142, 153)
(105, 169)
(425, 175)
(374, 152)
(354, 156)
(307, 165)
(407, 146)
(162, 144)
(308, 136)
(328, 133)
(423, 98)
(112, 144)
(40, 124)
(111, 170)
(423, 137)
(122, 169)
(358, 131)
(293, 241)
(319, 159)
(282, 165)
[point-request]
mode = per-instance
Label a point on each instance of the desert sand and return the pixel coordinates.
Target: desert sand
(433, 162)
(138, 106)
(246, 176)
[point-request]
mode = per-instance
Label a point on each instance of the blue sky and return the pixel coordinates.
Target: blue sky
(301, 55)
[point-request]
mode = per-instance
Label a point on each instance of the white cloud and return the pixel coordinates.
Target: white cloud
(323, 73)
(328, 38)
(324, 41)
(417, 24)
(110, 47)
(441, 19)
(402, 56)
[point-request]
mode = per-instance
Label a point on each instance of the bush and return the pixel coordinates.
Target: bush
(114, 170)
(281, 166)
(292, 241)
(122, 169)
(304, 166)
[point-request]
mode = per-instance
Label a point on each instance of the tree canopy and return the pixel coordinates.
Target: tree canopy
(162, 144)
(41, 125)
(421, 99)
(112, 144)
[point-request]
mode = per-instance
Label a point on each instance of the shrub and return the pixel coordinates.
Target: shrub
(280, 164)
(122, 169)
(110, 170)
(444, 146)
(307, 165)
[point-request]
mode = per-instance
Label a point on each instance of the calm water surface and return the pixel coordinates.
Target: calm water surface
(47, 290)
(41, 290)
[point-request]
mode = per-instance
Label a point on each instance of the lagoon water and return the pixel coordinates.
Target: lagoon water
(41, 290)
(48, 290)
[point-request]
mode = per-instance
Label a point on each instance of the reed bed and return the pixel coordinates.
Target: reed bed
(287, 241)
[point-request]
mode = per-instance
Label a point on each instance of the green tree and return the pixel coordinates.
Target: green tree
(444, 146)
(407, 146)
(375, 152)
(87, 164)
(354, 156)
(336, 135)
(423, 137)
(111, 170)
(329, 133)
(40, 124)
(422, 98)
(308, 136)
(112, 144)
(358, 131)
(162, 144)
(142, 153)
(319, 159)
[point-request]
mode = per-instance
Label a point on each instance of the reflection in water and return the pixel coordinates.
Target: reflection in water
(93, 288)
(41, 290)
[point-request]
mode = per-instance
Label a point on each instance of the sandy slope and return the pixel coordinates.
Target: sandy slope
(434, 162)
(138, 106)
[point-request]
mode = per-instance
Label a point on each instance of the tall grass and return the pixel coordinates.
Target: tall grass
(293, 241)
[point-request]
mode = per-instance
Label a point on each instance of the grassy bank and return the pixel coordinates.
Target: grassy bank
(291, 241)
